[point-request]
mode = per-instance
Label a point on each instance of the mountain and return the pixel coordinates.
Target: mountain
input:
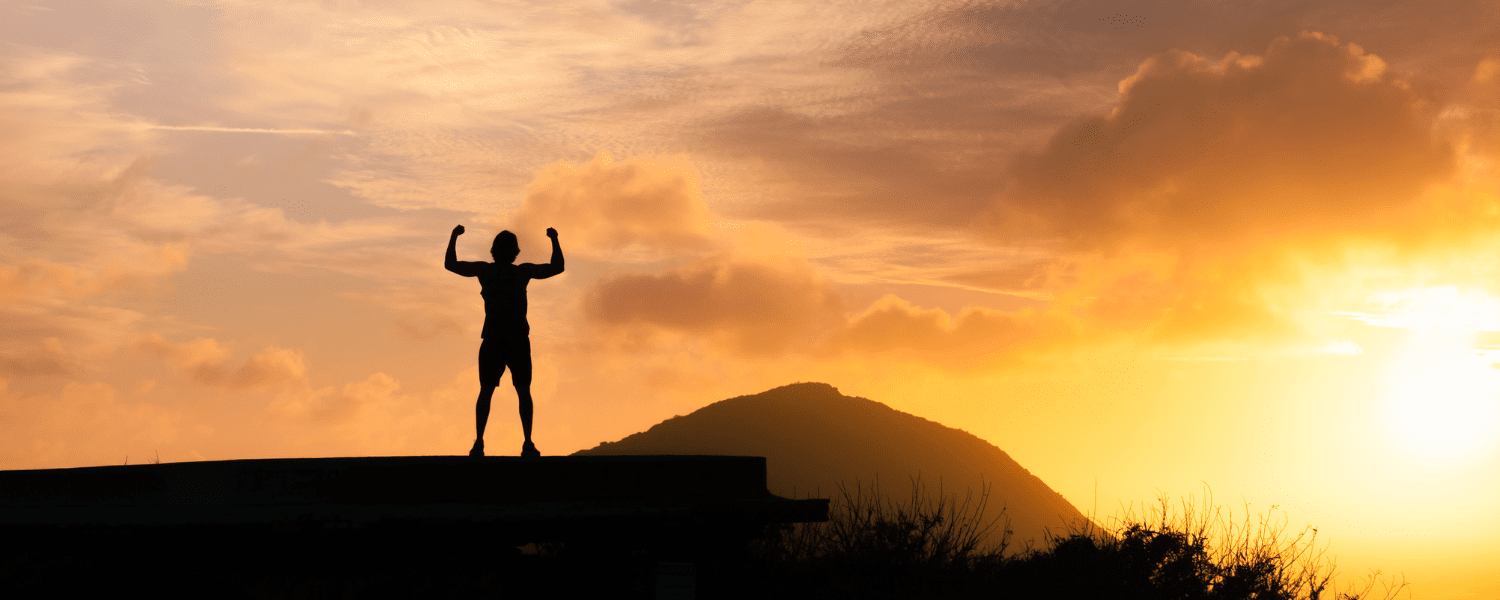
(815, 438)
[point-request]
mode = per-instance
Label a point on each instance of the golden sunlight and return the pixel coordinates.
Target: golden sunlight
(1442, 393)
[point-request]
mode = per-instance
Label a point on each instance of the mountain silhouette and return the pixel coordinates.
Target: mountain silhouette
(815, 438)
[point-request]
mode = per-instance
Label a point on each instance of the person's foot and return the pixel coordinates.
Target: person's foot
(478, 449)
(528, 450)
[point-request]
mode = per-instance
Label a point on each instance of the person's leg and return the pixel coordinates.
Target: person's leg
(523, 393)
(520, 377)
(482, 410)
(491, 367)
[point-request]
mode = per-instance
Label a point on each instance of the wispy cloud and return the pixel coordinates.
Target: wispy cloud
(215, 128)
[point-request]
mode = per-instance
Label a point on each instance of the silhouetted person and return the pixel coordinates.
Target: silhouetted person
(507, 335)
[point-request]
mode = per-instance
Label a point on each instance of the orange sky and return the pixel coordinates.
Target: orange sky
(1248, 246)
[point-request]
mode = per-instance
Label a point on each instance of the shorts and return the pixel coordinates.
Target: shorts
(497, 353)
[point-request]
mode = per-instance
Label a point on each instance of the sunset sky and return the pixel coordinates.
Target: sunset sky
(1146, 248)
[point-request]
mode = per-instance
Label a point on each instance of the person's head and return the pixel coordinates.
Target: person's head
(506, 248)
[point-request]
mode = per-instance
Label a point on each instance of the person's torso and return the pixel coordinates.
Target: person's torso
(503, 287)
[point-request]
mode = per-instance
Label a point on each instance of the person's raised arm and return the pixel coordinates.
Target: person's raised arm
(557, 257)
(450, 261)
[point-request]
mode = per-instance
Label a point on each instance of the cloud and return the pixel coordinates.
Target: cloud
(974, 340)
(464, 103)
(461, 103)
(215, 128)
(45, 358)
(936, 103)
(887, 166)
(754, 306)
(1175, 218)
(606, 206)
(270, 367)
(91, 236)
(873, 134)
(1218, 197)
(1055, 38)
(83, 227)
(763, 300)
(371, 416)
(53, 337)
(1072, 38)
(32, 279)
(208, 363)
(1315, 138)
(330, 405)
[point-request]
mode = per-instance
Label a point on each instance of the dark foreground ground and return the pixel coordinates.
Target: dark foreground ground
(390, 527)
(456, 564)
(607, 527)
(376, 562)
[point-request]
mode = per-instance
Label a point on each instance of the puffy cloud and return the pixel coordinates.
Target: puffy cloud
(605, 205)
(782, 306)
(1218, 197)
(1314, 138)
(270, 367)
(208, 363)
(755, 306)
(1169, 219)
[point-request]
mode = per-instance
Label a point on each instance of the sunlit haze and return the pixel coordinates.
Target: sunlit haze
(1246, 249)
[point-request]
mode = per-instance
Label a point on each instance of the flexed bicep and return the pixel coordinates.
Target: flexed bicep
(466, 268)
(557, 255)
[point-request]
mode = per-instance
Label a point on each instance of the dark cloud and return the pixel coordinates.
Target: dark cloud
(1215, 186)
(1315, 138)
(1065, 38)
(955, 93)
(1173, 218)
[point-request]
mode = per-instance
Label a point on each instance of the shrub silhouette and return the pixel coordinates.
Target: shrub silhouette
(874, 547)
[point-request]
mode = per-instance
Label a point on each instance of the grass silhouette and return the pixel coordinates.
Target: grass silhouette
(866, 527)
(937, 547)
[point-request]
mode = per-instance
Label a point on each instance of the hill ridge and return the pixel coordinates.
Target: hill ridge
(814, 437)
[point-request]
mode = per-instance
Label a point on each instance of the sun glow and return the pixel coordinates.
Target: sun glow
(1443, 396)
(1442, 308)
